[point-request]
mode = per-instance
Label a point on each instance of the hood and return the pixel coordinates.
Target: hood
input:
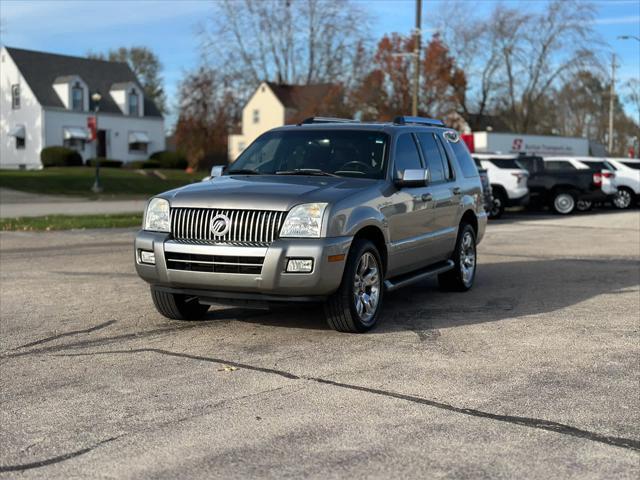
(265, 192)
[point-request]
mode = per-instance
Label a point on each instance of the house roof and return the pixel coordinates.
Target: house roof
(41, 70)
(303, 98)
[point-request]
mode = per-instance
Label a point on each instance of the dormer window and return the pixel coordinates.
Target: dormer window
(133, 103)
(15, 96)
(77, 98)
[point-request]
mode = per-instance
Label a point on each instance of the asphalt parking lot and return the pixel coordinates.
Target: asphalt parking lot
(535, 373)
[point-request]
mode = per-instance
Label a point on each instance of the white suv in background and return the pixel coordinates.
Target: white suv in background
(595, 164)
(508, 181)
(627, 181)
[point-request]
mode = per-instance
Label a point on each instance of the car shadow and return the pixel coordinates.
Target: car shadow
(509, 289)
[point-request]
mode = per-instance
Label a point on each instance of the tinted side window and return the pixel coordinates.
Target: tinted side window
(446, 159)
(406, 153)
(634, 165)
(467, 164)
(558, 165)
(433, 157)
(505, 162)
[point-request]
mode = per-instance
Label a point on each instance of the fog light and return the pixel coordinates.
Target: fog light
(299, 265)
(147, 257)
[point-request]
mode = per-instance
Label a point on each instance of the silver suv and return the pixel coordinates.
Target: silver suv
(330, 211)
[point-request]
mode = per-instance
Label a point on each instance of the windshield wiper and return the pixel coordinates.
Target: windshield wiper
(243, 171)
(306, 171)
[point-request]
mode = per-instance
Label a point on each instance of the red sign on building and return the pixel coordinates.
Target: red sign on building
(92, 126)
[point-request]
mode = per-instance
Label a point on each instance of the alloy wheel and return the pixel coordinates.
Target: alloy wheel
(622, 199)
(366, 287)
(467, 258)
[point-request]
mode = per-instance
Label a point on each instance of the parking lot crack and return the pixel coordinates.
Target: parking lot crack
(53, 460)
(528, 422)
(66, 334)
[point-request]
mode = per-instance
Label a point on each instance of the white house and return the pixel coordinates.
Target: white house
(273, 105)
(46, 100)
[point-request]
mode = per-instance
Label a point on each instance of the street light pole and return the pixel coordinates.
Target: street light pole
(97, 187)
(629, 37)
(416, 58)
(612, 94)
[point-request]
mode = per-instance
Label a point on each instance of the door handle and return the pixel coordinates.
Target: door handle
(457, 191)
(427, 197)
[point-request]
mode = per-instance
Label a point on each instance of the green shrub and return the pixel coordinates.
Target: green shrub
(144, 164)
(169, 159)
(60, 157)
(105, 162)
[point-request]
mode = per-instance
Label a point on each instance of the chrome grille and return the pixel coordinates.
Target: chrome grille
(214, 263)
(247, 226)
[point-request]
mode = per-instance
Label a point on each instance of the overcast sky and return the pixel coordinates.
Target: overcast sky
(169, 28)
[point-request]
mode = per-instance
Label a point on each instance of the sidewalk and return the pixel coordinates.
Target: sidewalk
(21, 204)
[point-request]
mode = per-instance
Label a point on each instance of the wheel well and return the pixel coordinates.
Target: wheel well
(499, 189)
(375, 235)
(470, 218)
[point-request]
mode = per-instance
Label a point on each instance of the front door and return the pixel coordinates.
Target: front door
(409, 213)
(101, 144)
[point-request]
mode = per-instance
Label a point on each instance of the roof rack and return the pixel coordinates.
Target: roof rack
(309, 120)
(432, 122)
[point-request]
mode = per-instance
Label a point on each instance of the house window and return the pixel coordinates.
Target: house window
(74, 143)
(20, 143)
(256, 116)
(15, 97)
(77, 98)
(133, 103)
(138, 147)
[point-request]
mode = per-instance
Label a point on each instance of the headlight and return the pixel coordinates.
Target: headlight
(304, 221)
(156, 218)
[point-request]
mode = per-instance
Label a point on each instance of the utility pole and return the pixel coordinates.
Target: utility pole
(416, 58)
(612, 94)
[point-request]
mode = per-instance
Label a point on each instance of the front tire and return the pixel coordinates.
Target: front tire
(464, 257)
(178, 307)
(356, 305)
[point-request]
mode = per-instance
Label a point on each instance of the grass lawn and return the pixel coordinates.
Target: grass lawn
(68, 222)
(116, 182)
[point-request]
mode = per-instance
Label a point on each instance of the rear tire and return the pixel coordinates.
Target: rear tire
(461, 277)
(356, 305)
(178, 307)
(624, 198)
(499, 203)
(564, 202)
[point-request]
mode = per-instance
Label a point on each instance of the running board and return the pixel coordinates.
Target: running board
(409, 278)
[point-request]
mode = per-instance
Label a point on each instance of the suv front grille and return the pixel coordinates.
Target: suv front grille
(214, 263)
(245, 226)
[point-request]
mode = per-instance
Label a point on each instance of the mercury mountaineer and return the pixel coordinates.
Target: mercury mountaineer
(330, 211)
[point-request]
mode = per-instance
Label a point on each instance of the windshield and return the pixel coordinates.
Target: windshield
(346, 153)
(634, 165)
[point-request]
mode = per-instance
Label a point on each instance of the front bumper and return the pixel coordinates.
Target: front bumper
(323, 280)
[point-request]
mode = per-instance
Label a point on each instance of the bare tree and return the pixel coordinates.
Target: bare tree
(292, 41)
(518, 57)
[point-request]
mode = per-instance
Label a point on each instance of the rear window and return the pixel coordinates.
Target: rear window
(467, 164)
(505, 163)
(634, 165)
(597, 166)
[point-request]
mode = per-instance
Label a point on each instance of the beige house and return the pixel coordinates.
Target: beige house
(274, 105)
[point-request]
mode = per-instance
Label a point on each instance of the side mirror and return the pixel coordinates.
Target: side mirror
(418, 177)
(217, 171)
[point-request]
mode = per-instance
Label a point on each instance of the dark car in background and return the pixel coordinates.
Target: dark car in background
(562, 189)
